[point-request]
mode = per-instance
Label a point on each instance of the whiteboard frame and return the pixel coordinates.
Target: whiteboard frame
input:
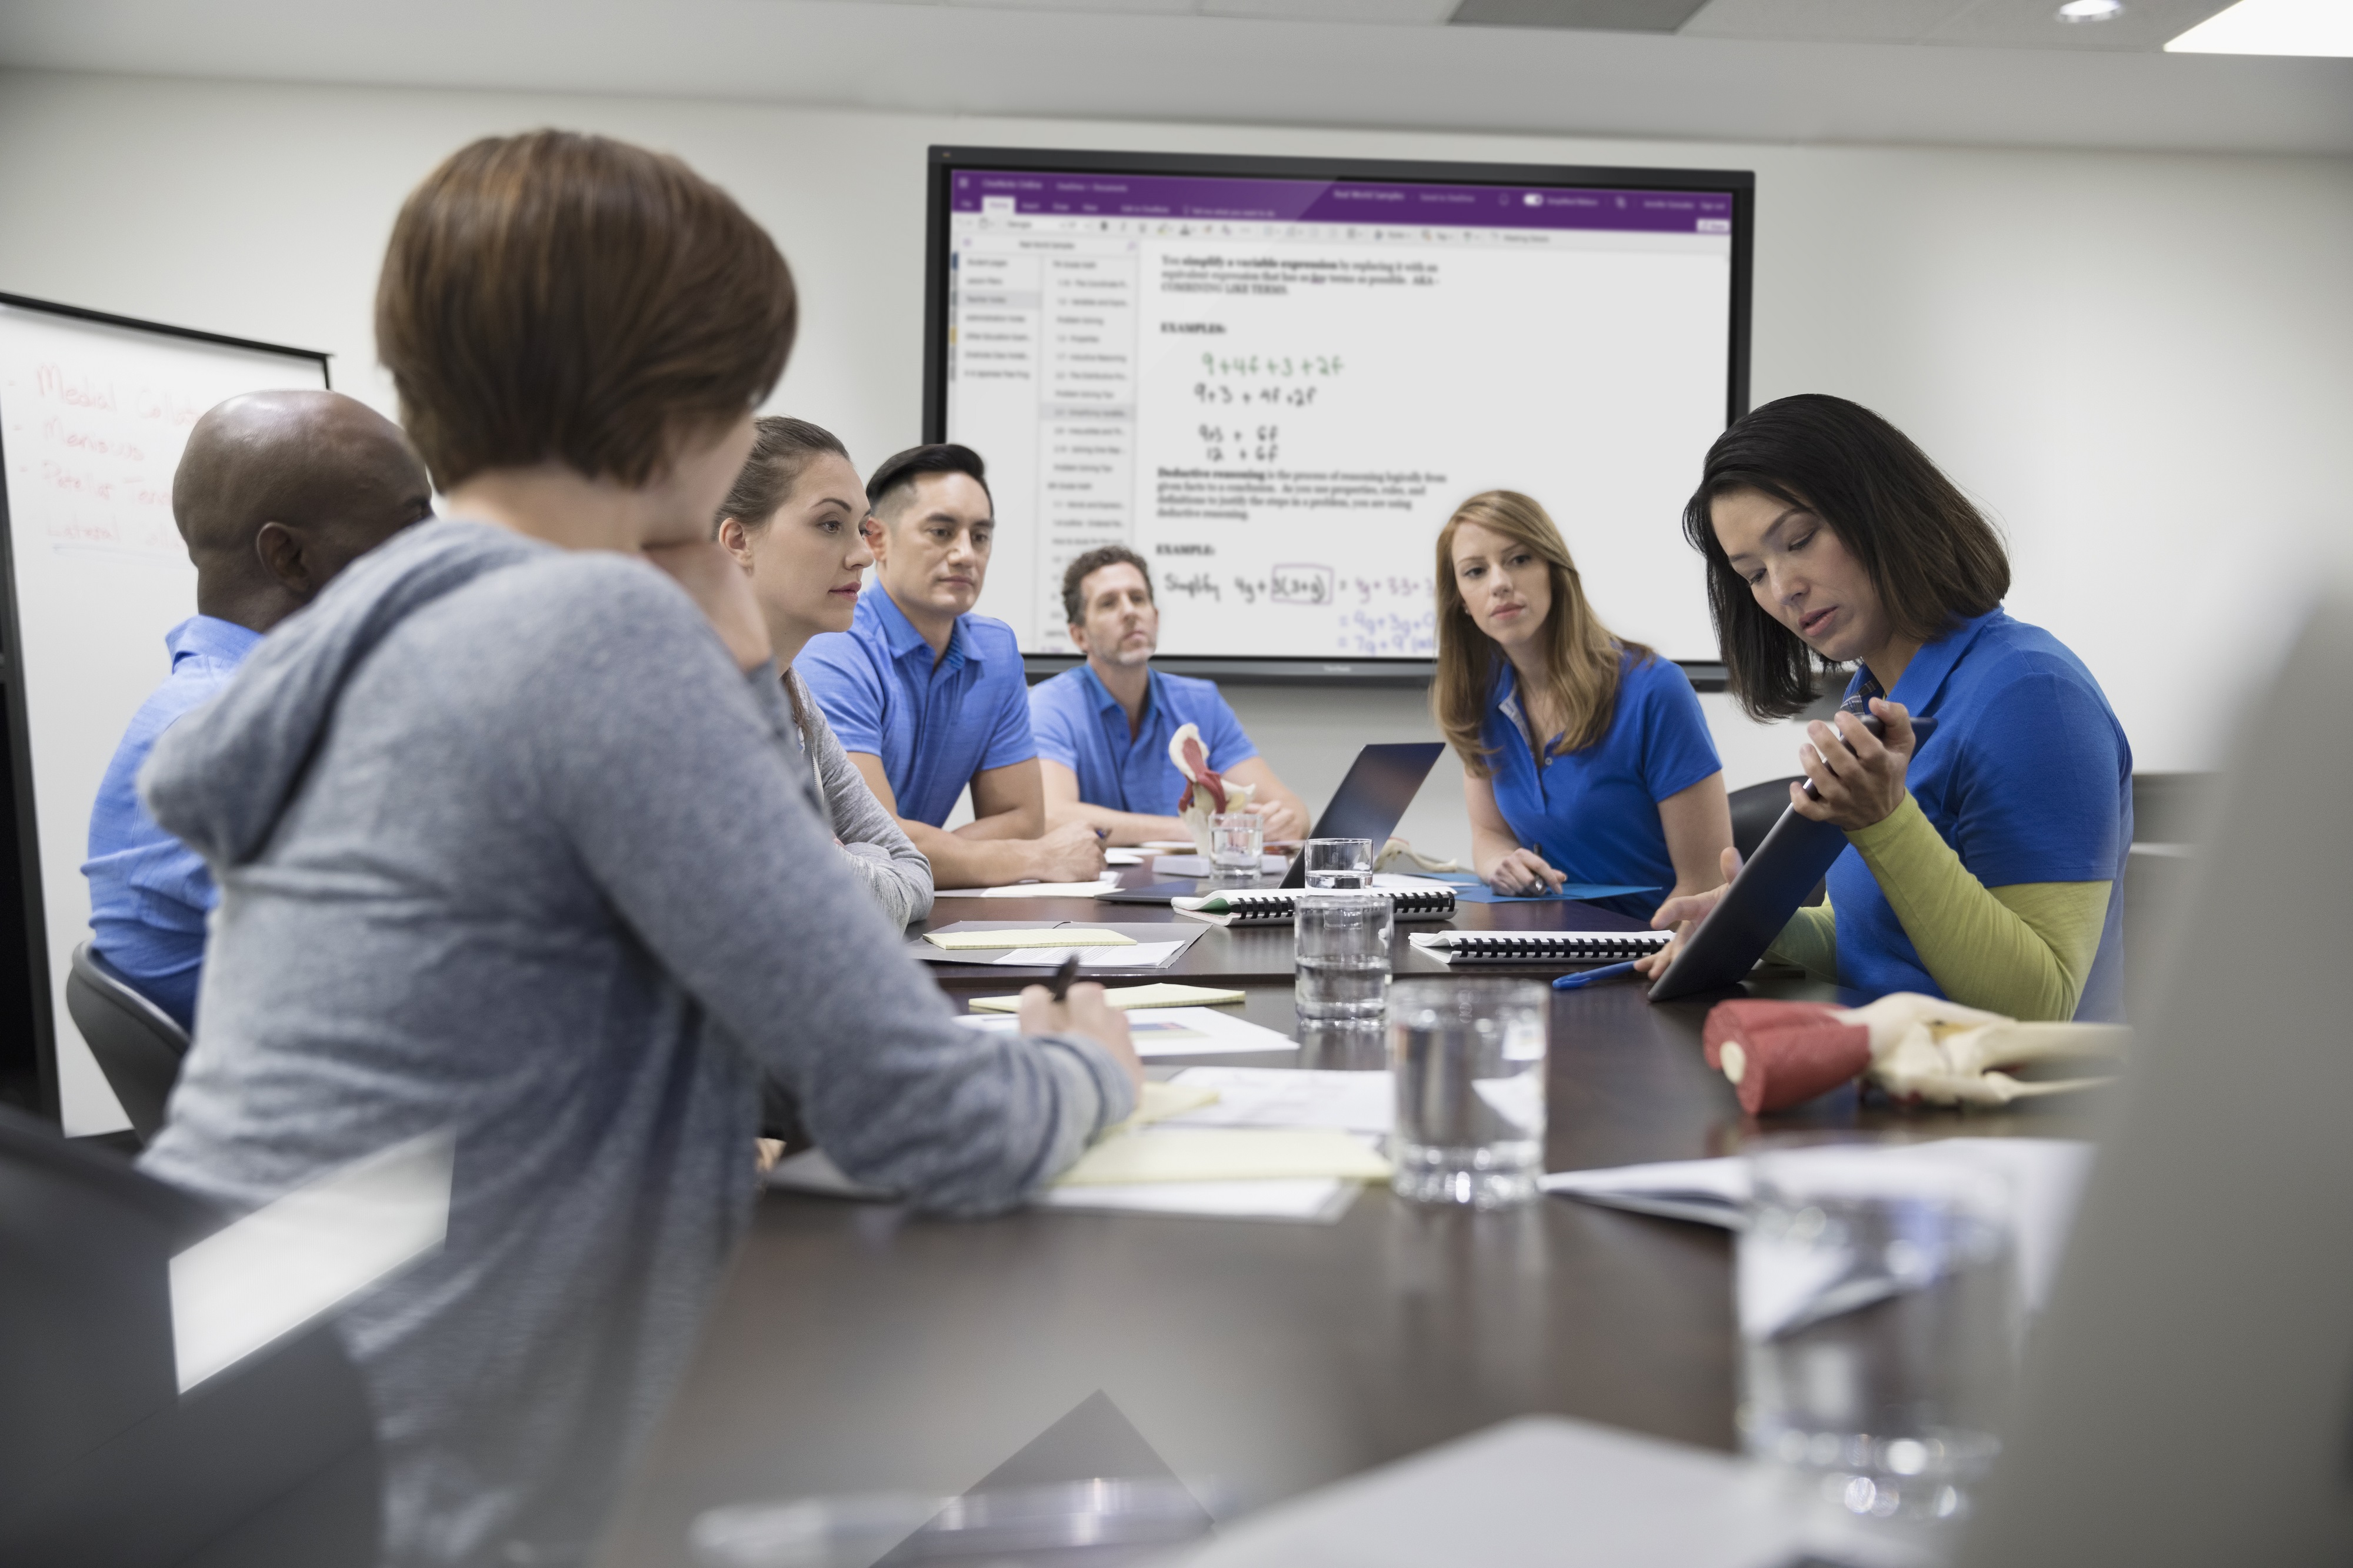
(28, 1056)
(1740, 184)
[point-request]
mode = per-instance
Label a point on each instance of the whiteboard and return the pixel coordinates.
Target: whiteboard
(93, 416)
(1278, 389)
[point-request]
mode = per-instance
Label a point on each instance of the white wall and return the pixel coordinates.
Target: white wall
(2135, 361)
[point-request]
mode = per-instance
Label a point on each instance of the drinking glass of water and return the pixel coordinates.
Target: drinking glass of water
(1468, 1058)
(1342, 959)
(1339, 862)
(1237, 840)
(1879, 1323)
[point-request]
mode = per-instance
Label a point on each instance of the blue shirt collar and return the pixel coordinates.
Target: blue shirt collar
(1924, 676)
(900, 634)
(210, 636)
(1105, 700)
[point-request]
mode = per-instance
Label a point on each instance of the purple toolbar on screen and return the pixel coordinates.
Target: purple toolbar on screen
(1049, 193)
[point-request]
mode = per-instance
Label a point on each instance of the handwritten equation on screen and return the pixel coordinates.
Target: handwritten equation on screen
(1391, 617)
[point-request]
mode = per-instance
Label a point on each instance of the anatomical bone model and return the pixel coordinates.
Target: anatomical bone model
(1206, 793)
(1917, 1049)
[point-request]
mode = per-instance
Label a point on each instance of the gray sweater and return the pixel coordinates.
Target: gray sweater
(880, 853)
(508, 847)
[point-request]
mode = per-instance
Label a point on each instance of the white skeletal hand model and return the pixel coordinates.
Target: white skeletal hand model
(1925, 1048)
(1206, 794)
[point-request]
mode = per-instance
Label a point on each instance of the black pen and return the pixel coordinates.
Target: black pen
(1064, 973)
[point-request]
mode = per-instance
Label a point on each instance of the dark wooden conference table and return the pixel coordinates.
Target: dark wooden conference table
(859, 1348)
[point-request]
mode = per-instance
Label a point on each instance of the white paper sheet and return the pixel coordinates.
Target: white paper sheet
(1171, 1032)
(1198, 865)
(1033, 890)
(1276, 1097)
(2047, 1176)
(1142, 956)
(1317, 1200)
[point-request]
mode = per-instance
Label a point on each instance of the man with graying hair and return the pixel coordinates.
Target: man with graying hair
(276, 492)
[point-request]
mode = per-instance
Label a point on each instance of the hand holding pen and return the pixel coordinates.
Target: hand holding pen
(1058, 1007)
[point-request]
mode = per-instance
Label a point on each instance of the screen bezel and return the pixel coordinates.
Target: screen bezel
(942, 161)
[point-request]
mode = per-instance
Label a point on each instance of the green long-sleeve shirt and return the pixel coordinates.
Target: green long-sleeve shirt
(2024, 949)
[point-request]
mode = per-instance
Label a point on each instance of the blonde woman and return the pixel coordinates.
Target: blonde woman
(1584, 757)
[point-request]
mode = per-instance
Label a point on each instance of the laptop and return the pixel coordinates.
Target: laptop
(1370, 804)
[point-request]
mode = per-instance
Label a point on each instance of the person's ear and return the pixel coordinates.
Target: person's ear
(878, 539)
(736, 542)
(1078, 636)
(283, 556)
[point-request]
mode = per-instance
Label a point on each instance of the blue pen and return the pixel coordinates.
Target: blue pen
(1588, 976)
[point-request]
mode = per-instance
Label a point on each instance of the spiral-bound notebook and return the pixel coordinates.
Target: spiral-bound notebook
(1539, 946)
(1245, 906)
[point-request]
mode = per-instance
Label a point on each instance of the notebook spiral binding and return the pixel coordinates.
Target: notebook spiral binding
(1504, 947)
(1273, 909)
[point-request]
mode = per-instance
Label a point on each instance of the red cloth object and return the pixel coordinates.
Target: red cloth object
(1792, 1051)
(1197, 761)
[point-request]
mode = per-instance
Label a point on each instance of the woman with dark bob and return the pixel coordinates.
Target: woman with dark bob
(1584, 757)
(1982, 861)
(513, 852)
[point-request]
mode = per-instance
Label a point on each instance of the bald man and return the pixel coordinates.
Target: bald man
(276, 493)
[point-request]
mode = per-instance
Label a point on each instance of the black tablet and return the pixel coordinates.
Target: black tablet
(1795, 855)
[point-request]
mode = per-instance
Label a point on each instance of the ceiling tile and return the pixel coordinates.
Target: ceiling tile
(1585, 15)
(1105, 8)
(1849, 21)
(1392, 13)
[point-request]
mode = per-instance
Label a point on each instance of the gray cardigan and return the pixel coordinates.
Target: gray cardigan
(509, 848)
(880, 853)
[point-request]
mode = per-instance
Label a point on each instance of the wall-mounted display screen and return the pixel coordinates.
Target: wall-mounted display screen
(1275, 381)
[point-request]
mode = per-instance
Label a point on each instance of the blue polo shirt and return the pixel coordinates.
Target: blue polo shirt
(1079, 724)
(934, 726)
(1593, 814)
(149, 893)
(2029, 778)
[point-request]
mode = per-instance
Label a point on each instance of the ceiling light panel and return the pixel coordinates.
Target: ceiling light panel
(2273, 27)
(2143, 26)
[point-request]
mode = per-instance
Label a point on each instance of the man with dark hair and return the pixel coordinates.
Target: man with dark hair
(276, 492)
(1103, 729)
(927, 697)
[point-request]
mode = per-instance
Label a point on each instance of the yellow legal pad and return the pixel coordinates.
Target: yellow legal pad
(1162, 1099)
(1224, 1154)
(1164, 994)
(1035, 936)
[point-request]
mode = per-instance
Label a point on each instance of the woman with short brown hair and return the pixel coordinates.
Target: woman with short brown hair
(1585, 760)
(511, 852)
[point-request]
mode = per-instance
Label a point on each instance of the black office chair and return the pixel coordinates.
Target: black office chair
(139, 1047)
(1754, 810)
(270, 1463)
